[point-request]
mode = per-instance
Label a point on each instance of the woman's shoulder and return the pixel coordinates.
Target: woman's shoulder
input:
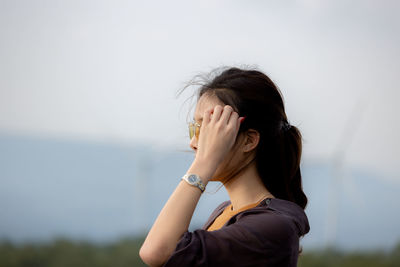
(274, 215)
(271, 215)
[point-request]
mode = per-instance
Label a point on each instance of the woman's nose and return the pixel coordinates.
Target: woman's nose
(193, 143)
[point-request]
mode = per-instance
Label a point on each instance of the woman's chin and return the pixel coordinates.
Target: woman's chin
(216, 179)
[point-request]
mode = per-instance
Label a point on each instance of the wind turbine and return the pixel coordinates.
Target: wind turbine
(337, 170)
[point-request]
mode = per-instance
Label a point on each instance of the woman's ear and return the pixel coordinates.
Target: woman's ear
(252, 138)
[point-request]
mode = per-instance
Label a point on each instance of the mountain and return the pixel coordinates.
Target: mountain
(101, 192)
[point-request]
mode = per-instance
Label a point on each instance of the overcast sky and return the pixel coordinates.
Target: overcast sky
(109, 70)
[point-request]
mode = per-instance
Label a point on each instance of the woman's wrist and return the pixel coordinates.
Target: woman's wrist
(204, 169)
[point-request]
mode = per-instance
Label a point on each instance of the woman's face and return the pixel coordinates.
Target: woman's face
(232, 159)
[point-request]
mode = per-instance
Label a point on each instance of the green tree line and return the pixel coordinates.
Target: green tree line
(124, 253)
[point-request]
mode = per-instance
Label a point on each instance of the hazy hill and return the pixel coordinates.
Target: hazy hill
(100, 192)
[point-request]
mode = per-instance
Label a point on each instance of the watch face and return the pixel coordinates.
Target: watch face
(192, 178)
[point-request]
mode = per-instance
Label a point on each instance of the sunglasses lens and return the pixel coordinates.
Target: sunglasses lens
(191, 130)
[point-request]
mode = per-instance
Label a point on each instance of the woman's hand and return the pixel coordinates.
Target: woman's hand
(218, 133)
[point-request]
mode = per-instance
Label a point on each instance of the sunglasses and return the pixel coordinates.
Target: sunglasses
(194, 129)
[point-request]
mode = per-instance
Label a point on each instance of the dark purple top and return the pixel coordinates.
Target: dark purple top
(266, 235)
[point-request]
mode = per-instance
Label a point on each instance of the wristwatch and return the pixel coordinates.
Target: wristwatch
(194, 180)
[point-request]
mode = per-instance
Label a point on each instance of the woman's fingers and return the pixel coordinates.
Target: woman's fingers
(233, 117)
(207, 116)
(223, 115)
(216, 115)
(226, 114)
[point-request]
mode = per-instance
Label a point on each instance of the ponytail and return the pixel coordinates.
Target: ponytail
(292, 143)
(278, 162)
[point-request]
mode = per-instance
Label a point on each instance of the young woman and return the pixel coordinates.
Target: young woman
(241, 137)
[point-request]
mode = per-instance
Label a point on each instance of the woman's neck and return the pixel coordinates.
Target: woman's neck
(246, 188)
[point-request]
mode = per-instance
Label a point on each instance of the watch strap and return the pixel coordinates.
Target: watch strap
(194, 180)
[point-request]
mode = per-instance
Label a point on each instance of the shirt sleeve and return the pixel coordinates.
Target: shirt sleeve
(252, 240)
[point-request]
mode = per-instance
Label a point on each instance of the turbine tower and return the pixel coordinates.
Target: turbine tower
(337, 171)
